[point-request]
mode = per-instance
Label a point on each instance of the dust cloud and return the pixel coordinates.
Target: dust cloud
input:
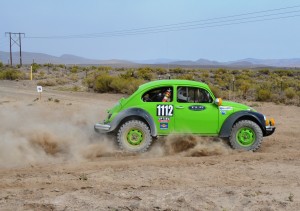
(37, 133)
(41, 134)
(195, 146)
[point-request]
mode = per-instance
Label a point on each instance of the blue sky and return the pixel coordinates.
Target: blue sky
(271, 39)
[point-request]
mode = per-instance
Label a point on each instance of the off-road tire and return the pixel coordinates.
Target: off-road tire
(134, 136)
(246, 135)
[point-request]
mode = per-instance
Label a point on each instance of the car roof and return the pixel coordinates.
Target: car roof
(172, 82)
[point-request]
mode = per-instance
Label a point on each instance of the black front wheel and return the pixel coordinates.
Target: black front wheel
(246, 135)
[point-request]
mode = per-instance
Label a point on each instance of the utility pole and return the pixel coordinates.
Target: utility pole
(10, 54)
(20, 48)
(15, 40)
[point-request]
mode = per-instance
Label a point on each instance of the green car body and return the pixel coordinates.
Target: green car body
(166, 107)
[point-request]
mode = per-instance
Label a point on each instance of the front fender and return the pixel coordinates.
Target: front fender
(256, 117)
(133, 113)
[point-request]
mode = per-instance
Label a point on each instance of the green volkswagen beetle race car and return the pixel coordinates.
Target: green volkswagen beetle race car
(164, 107)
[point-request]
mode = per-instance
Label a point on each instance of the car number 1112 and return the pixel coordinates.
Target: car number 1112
(164, 110)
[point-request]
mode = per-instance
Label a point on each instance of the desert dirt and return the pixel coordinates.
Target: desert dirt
(51, 159)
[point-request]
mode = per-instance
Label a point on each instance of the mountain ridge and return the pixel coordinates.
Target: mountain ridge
(42, 58)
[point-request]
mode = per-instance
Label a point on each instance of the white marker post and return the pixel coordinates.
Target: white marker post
(39, 90)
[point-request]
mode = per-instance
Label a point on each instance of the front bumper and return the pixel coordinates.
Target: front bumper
(270, 130)
(102, 128)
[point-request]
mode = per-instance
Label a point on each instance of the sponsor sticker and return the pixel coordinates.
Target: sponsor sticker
(197, 108)
(164, 126)
(163, 119)
(223, 109)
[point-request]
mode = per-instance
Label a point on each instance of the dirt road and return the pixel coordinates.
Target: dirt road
(51, 159)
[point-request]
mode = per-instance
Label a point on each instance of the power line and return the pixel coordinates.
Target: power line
(205, 23)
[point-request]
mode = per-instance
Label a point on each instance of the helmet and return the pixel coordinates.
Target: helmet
(182, 95)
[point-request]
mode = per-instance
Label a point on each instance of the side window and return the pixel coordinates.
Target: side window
(161, 94)
(193, 95)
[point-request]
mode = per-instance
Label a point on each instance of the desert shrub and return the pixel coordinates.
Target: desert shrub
(74, 69)
(119, 85)
(103, 83)
(290, 93)
(216, 90)
(204, 74)
(93, 67)
(221, 71)
(120, 69)
(61, 81)
(104, 68)
(277, 98)
(1, 64)
(243, 76)
(48, 82)
(35, 67)
(290, 82)
(235, 72)
(40, 75)
(177, 70)
(11, 74)
(223, 82)
(134, 85)
(161, 71)
(116, 84)
(89, 82)
(75, 88)
(73, 77)
(125, 86)
(281, 72)
(48, 65)
(186, 77)
(244, 88)
(61, 66)
(264, 71)
(128, 74)
(263, 95)
(145, 73)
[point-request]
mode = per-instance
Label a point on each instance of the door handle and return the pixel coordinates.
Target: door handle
(179, 107)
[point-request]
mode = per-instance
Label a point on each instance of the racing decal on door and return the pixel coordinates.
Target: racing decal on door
(164, 110)
(164, 126)
(197, 107)
(164, 119)
(224, 109)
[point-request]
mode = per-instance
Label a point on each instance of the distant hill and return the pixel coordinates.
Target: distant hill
(273, 62)
(246, 63)
(41, 58)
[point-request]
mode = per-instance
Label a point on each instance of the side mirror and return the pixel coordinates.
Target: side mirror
(218, 101)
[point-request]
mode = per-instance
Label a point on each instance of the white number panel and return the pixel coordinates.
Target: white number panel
(164, 110)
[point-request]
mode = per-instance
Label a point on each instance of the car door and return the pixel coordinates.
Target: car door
(195, 111)
(158, 102)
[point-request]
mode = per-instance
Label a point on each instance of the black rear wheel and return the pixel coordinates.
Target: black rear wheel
(134, 136)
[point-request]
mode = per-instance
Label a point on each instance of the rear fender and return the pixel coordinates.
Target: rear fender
(133, 113)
